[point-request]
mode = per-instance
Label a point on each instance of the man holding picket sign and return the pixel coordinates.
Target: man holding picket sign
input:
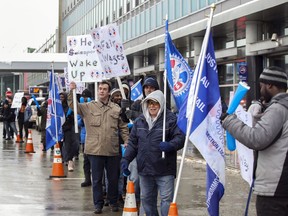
(103, 121)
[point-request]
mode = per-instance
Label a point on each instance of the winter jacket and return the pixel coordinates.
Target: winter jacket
(269, 136)
(102, 123)
(144, 142)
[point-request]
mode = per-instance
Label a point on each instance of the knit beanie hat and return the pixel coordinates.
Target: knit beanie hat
(114, 90)
(150, 81)
(86, 93)
(275, 76)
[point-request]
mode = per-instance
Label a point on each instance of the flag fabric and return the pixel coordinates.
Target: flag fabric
(55, 114)
(206, 132)
(179, 74)
(136, 91)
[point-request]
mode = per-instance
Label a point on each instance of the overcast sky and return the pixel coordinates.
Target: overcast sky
(26, 23)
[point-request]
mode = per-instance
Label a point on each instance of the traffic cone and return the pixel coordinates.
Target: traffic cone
(29, 144)
(130, 208)
(18, 139)
(57, 168)
(173, 211)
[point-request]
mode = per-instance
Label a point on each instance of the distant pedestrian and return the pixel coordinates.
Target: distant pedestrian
(269, 138)
(42, 111)
(145, 143)
(23, 116)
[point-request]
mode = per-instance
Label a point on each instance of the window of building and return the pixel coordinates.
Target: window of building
(137, 2)
(152, 17)
(185, 7)
(194, 5)
(120, 11)
(137, 25)
(128, 7)
(147, 20)
(142, 23)
(107, 20)
(171, 9)
(159, 15)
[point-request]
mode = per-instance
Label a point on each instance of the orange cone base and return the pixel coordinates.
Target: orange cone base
(57, 168)
(173, 211)
(29, 152)
(57, 171)
(130, 207)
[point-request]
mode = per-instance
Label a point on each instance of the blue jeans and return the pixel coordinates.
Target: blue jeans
(111, 164)
(149, 190)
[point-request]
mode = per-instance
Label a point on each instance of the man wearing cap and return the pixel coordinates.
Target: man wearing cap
(150, 84)
(269, 138)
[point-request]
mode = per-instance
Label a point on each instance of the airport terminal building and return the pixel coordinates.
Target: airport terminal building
(248, 34)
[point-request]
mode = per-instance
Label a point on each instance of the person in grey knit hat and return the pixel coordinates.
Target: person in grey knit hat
(268, 138)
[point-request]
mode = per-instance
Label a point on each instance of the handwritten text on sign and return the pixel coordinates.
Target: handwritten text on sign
(83, 61)
(110, 50)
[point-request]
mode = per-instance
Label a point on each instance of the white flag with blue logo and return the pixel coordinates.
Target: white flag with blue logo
(136, 91)
(206, 132)
(179, 74)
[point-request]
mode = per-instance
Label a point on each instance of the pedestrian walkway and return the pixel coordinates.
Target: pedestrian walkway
(25, 187)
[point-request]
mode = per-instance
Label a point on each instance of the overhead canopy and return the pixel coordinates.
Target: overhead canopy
(33, 62)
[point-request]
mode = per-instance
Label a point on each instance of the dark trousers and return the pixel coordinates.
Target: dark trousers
(22, 124)
(271, 206)
(86, 167)
(111, 164)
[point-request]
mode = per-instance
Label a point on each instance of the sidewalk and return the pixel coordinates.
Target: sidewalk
(26, 189)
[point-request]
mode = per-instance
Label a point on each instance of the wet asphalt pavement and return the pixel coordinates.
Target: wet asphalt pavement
(25, 187)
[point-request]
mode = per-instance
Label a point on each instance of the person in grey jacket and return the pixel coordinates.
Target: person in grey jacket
(145, 143)
(269, 138)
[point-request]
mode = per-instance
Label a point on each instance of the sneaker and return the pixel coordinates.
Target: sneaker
(98, 211)
(86, 184)
(70, 166)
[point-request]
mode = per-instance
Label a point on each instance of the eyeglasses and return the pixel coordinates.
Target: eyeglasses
(153, 103)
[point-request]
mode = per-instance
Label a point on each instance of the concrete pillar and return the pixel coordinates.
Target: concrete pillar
(197, 42)
(137, 62)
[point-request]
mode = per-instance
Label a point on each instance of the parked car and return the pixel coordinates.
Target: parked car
(34, 120)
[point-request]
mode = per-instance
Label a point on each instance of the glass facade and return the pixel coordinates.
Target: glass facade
(134, 17)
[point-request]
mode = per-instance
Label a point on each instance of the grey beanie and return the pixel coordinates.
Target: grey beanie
(274, 76)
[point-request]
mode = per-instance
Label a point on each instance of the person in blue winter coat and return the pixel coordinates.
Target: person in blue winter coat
(156, 174)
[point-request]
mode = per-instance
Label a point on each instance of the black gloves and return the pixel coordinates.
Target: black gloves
(223, 116)
(124, 167)
(125, 103)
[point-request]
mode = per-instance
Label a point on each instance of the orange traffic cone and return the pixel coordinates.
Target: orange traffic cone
(18, 139)
(29, 144)
(173, 211)
(57, 169)
(130, 208)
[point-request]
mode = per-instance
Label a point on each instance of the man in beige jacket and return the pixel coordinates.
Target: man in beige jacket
(103, 123)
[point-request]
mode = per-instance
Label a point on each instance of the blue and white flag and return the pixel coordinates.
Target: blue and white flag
(136, 91)
(179, 74)
(55, 114)
(206, 132)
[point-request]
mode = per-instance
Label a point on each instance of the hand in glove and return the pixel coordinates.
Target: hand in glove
(130, 125)
(166, 147)
(223, 116)
(129, 114)
(125, 103)
(124, 167)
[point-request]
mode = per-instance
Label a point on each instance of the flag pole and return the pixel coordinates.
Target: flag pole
(199, 69)
(165, 93)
